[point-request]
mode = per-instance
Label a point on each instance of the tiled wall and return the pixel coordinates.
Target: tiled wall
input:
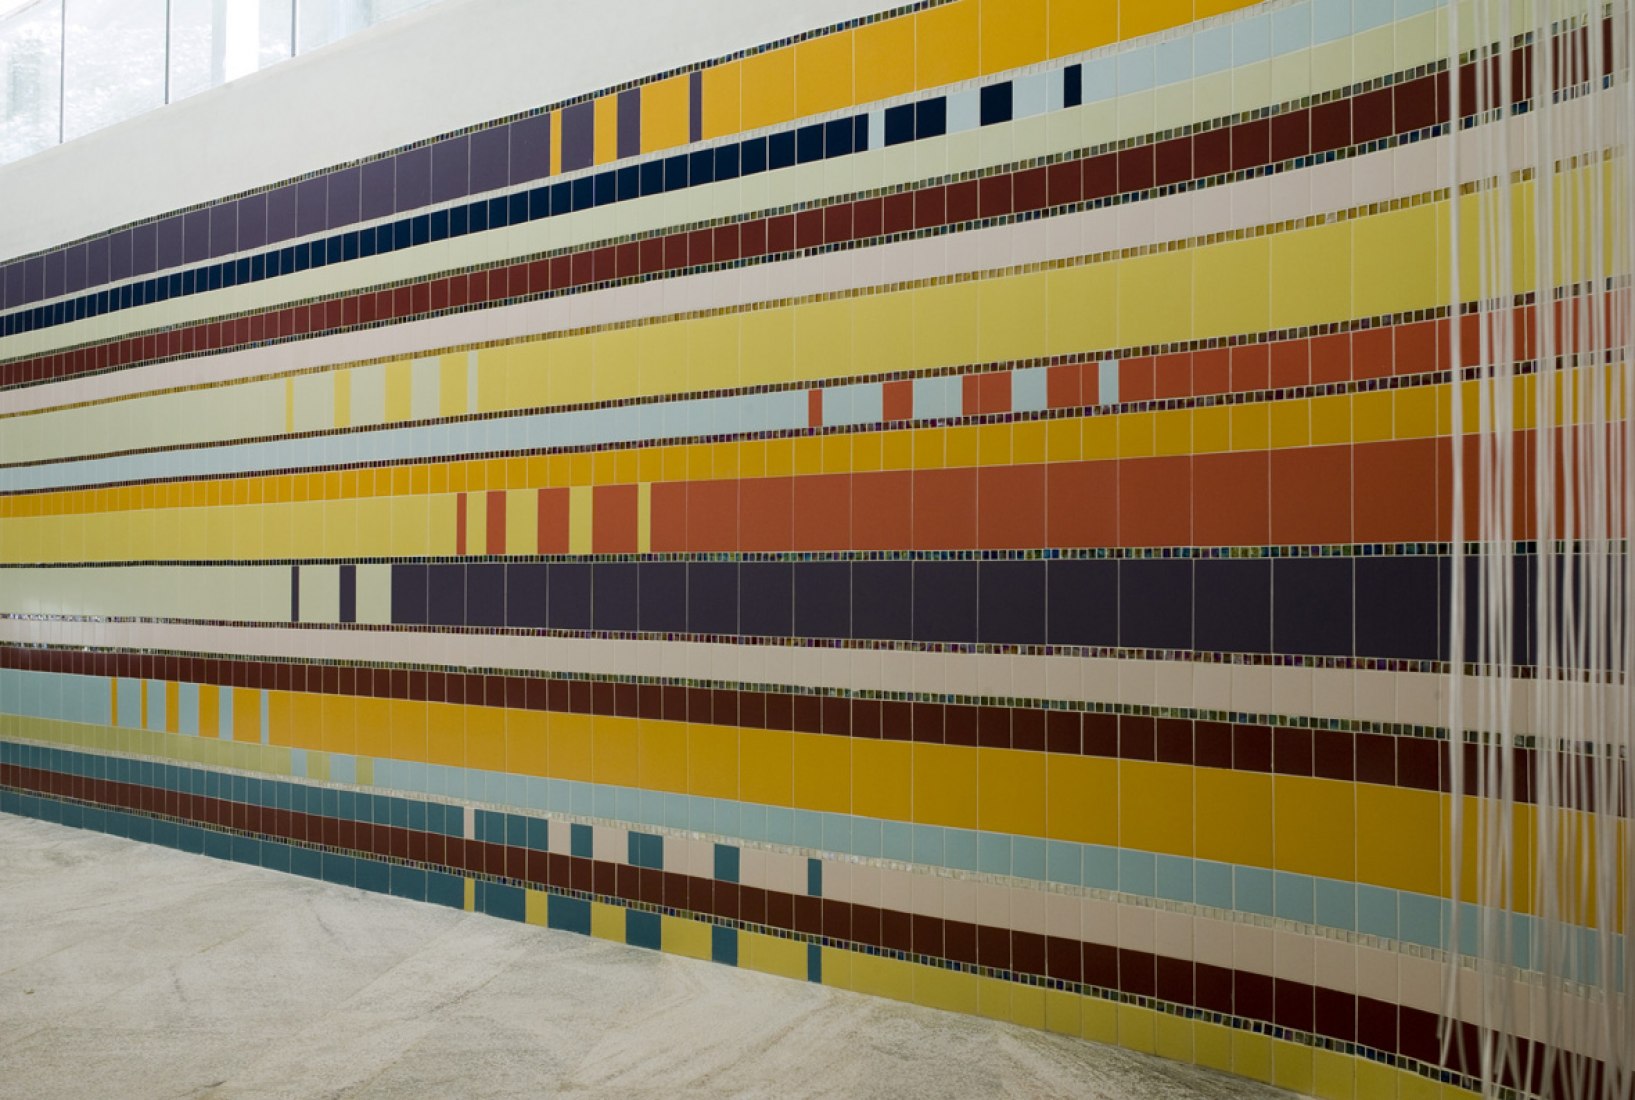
(954, 506)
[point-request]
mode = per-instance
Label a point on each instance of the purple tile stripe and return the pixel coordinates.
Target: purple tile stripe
(630, 122)
(450, 169)
(578, 136)
(695, 106)
(530, 148)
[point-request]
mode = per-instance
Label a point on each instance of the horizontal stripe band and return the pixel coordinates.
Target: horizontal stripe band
(839, 217)
(1332, 1013)
(1388, 352)
(975, 411)
(1371, 606)
(1369, 692)
(1335, 125)
(1134, 172)
(882, 352)
(853, 225)
(1291, 897)
(1092, 812)
(519, 149)
(1284, 745)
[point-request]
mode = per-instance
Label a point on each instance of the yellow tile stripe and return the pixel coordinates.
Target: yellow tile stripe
(1326, 828)
(413, 509)
(1282, 278)
(916, 51)
(1303, 1069)
(1243, 818)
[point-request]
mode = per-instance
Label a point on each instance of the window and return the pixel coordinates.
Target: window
(113, 62)
(70, 67)
(30, 80)
(214, 41)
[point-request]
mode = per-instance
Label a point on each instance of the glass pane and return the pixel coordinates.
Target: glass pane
(214, 41)
(276, 25)
(382, 10)
(30, 79)
(192, 47)
(321, 22)
(326, 21)
(115, 57)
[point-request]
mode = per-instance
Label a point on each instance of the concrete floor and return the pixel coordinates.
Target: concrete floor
(134, 971)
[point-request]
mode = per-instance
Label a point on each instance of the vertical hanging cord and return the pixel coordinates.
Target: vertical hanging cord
(1547, 885)
(1623, 745)
(1456, 621)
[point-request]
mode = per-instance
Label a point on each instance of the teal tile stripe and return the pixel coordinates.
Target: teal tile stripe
(1389, 914)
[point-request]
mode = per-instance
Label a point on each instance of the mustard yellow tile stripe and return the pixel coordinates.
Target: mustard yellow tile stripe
(409, 510)
(1350, 832)
(413, 509)
(1306, 1070)
(1337, 267)
(915, 51)
(1280, 277)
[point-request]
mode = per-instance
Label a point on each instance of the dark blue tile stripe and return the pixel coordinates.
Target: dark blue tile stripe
(1364, 606)
(443, 172)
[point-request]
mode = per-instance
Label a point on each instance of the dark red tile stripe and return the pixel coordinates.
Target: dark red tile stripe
(1418, 763)
(1397, 109)
(1344, 1017)
(1410, 104)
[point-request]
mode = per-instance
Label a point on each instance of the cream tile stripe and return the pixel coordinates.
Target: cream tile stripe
(1245, 205)
(1288, 76)
(1378, 177)
(1410, 698)
(1057, 132)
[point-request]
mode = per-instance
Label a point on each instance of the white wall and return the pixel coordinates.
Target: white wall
(454, 64)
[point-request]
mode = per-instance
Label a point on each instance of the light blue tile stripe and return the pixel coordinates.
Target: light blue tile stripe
(59, 696)
(1371, 910)
(156, 705)
(187, 709)
(1107, 382)
(130, 703)
(1390, 914)
(964, 110)
(1030, 95)
(1030, 389)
